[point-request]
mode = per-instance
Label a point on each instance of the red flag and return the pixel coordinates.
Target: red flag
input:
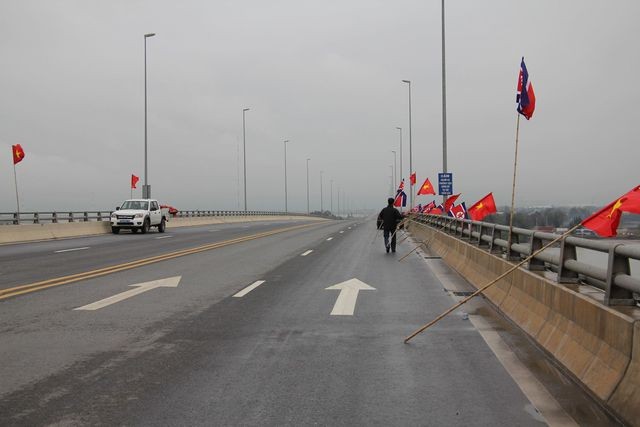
(482, 208)
(448, 204)
(412, 178)
(459, 211)
(525, 98)
(605, 222)
(436, 211)
(134, 181)
(18, 153)
(426, 188)
(428, 208)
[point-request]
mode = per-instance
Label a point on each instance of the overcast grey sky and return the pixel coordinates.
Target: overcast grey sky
(326, 75)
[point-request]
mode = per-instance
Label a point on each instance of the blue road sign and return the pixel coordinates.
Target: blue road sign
(445, 184)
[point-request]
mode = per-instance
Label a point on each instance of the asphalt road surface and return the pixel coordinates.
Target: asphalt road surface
(247, 333)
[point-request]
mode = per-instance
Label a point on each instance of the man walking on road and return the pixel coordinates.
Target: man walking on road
(388, 219)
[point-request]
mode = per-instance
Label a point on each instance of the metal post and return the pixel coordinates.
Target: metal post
(410, 148)
(146, 189)
(244, 151)
(394, 170)
(286, 207)
(15, 178)
(338, 210)
(308, 186)
(401, 171)
(444, 103)
(321, 205)
(331, 197)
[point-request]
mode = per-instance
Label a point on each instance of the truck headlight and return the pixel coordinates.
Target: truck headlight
(139, 215)
(114, 217)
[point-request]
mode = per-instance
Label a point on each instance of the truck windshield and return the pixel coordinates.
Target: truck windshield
(135, 204)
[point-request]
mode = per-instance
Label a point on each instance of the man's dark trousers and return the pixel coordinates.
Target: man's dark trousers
(386, 233)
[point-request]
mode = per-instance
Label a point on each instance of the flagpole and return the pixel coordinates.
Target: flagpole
(513, 188)
(15, 179)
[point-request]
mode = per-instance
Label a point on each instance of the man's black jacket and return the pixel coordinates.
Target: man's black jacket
(388, 218)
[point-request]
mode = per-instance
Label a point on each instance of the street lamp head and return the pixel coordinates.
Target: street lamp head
(149, 35)
(407, 81)
(398, 127)
(286, 140)
(245, 109)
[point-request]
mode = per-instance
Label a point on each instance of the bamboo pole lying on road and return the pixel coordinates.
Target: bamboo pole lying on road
(491, 283)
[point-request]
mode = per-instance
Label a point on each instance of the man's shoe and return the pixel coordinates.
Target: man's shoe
(387, 249)
(393, 250)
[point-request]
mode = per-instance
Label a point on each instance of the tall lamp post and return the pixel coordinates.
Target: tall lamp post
(401, 171)
(321, 205)
(308, 186)
(410, 152)
(244, 153)
(444, 105)
(394, 168)
(286, 205)
(146, 188)
(331, 191)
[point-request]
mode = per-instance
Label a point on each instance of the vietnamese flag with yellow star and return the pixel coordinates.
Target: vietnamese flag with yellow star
(18, 153)
(426, 188)
(483, 207)
(605, 222)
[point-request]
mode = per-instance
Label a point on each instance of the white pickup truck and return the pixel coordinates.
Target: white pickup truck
(139, 214)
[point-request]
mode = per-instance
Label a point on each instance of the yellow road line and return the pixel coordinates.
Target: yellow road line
(37, 286)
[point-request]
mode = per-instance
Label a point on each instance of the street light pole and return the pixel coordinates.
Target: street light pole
(444, 104)
(146, 189)
(394, 168)
(331, 197)
(401, 171)
(308, 186)
(244, 153)
(286, 206)
(321, 205)
(410, 149)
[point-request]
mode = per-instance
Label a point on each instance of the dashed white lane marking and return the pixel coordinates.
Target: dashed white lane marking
(249, 288)
(349, 228)
(212, 230)
(342, 231)
(330, 238)
(71, 250)
(164, 237)
(306, 252)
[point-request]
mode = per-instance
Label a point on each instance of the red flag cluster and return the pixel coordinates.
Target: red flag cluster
(605, 222)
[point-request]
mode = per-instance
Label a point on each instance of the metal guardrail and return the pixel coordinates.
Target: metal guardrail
(11, 218)
(616, 281)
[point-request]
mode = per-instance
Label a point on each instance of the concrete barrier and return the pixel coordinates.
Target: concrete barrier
(33, 232)
(598, 345)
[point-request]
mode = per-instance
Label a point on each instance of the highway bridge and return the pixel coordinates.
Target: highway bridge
(300, 321)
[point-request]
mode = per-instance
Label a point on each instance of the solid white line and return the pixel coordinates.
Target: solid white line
(164, 237)
(249, 288)
(71, 250)
(306, 253)
(330, 238)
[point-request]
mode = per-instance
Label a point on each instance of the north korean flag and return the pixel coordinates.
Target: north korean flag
(525, 98)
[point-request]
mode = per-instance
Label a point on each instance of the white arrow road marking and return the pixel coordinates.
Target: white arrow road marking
(171, 282)
(249, 288)
(330, 238)
(71, 250)
(346, 303)
(306, 252)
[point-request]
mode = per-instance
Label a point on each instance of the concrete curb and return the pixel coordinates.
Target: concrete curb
(599, 345)
(35, 232)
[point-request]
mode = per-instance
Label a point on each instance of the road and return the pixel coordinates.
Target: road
(243, 334)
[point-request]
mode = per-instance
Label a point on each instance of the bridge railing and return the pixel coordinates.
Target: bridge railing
(615, 280)
(12, 218)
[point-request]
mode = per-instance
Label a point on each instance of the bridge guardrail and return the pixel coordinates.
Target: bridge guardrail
(616, 280)
(12, 218)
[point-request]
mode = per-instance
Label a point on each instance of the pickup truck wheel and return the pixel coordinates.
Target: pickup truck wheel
(162, 226)
(115, 230)
(145, 226)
